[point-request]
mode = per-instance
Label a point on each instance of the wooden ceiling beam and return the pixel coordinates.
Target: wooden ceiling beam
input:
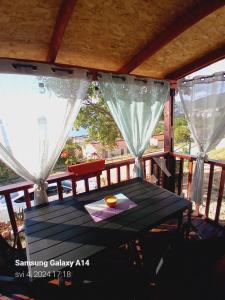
(178, 26)
(62, 20)
(197, 64)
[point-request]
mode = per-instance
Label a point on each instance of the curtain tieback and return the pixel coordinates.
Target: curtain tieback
(41, 186)
(202, 156)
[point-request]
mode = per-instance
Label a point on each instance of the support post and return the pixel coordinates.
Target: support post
(169, 140)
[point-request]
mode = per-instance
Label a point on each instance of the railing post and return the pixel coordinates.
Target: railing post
(59, 188)
(220, 195)
(27, 198)
(190, 174)
(118, 174)
(128, 171)
(180, 178)
(210, 183)
(86, 184)
(144, 168)
(98, 181)
(168, 122)
(108, 177)
(169, 140)
(74, 186)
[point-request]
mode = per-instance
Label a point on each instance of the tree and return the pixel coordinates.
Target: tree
(95, 116)
(181, 131)
(159, 128)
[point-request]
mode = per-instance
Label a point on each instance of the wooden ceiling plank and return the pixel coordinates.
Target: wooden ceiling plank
(62, 20)
(197, 64)
(178, 26)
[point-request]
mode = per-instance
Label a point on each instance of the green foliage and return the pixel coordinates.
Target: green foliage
(6, 174)
(72, 153)
(181, 134)
(218, 154)
(180, 121)
(4, 171)
(181, 130)
(159, 128)
(96, 118)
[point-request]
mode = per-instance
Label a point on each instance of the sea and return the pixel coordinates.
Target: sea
(75, 133)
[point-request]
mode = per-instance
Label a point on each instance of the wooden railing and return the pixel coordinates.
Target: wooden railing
(150, 168)
(181, 159)
(180, 166)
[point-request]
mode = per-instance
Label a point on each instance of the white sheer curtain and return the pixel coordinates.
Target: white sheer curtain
(36, 115)
(203, 100)
(136, 105)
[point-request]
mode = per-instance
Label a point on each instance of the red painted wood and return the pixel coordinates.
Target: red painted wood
(15, 187)
(220, 195)
(108, 177)
(185, 156)
(62, 20)
(87, 168)
(86, 183)
(179, 25)
(180, 177)
(190, 174)
(27, 198)
(98, 181)
(74, 186)
(199, 63)
(157, 173)
(144, 168)
(128, 171)
(59, 188)
(61, 176)
(209, 189)
(168, 122)
(12, 218)
(218, 163)
(118, 177)
(152, 166)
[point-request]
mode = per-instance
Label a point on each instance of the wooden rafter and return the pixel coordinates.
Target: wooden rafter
(62, 20)
(197, 64)
(179, 25)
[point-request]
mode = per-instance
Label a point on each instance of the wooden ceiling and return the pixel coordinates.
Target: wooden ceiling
(164, 39)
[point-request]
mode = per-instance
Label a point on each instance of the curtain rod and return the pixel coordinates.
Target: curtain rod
(96, 75)
(202, 78)
(18, 66)
(33, 68)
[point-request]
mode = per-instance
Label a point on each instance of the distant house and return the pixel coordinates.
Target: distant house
(157, 140)
(93, 148)
(79, 140)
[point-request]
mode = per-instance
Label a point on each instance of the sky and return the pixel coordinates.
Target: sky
(80, 132)
(216, 67)
(209, 70)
